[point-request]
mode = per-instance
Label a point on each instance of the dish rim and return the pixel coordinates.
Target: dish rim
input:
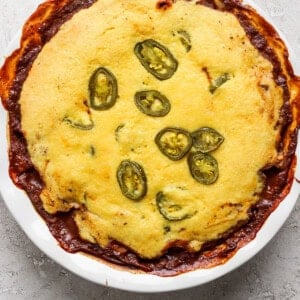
(105, 274)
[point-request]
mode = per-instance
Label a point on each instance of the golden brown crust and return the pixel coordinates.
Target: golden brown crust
(42, 25)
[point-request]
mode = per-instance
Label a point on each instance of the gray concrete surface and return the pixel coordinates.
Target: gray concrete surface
(26, 273)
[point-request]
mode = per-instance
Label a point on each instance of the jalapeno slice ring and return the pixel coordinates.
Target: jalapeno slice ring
(156, 59)
(152, 103)
(203, 167)
(174, 142)
(206, 139)
(103, 89)
(171, 211)
(132, 180)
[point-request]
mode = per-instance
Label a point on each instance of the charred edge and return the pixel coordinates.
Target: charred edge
(208, 3)
(221, 4)
(48, 29)
(164, 4)
(297, 103)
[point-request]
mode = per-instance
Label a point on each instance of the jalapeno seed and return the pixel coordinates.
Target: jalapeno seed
(156, 59)
(132, 180)
(152, 103)
(103, 89)
(203, 167)
(170, 210)
(206, 139)
(174, 142)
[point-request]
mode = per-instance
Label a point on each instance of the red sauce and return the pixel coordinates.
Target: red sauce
(278, 179)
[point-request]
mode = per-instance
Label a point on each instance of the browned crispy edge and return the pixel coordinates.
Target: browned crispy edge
(39, 29)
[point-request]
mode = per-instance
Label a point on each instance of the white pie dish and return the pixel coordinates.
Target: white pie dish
(22, 210)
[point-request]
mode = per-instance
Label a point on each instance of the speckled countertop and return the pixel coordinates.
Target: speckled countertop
(26, 273)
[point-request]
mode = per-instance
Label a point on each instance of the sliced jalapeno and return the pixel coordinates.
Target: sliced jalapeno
(170, 210)
(156, 59)
(206, 139)
(203, 167)
(103, 89)
(166, 229)
(152, 103)
(118, 131)
(82, 122)
(185, 39)
(174, 142)
(219, 82)
(132, 180)
(92, 150)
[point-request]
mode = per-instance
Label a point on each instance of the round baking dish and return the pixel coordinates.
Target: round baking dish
(105, 274)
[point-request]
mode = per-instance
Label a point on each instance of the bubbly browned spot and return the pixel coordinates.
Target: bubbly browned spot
(164, 4)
